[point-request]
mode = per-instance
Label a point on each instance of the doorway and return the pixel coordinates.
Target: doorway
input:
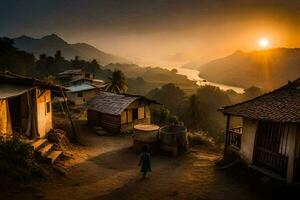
(14, 105)
(271, 146)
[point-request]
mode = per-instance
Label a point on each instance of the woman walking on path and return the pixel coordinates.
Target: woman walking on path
(145, 162)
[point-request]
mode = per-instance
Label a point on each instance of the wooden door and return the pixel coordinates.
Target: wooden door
(271, 146)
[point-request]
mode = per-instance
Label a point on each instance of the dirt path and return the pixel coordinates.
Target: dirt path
(107, 169)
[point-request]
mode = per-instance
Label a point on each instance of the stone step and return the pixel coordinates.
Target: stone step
(46, 149)
(38, 143)
(53, 156)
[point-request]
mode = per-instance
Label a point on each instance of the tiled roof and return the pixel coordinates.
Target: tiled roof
(280, 105)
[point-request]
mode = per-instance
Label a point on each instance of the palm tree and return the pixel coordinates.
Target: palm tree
(116, 83)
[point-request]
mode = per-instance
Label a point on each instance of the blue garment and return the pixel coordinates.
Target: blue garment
(145, 159)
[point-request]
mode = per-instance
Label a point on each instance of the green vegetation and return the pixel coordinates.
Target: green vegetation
(25, 63)
(14, 60)
(197, 111)
(184, 101)
(17, 159)
(141, 80)
(116, 83)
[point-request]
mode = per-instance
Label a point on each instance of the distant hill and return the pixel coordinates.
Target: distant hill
(51, 43)
(144, 79)
(266, 68)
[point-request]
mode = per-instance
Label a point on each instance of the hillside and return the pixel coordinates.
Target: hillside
(265, 68)
(51, 43)
(144, 79)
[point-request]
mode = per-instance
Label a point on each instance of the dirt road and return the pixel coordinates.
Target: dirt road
(107, 169)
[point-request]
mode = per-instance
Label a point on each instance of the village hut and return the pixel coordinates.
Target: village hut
(118, 112)
(25, 105)
(73, 74)
(95, 82)
(265, 132)
(81, 93)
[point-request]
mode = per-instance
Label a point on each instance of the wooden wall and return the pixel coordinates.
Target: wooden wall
(111, 123)
(44, 118)
(5, 123)
(123, 122)
(93, 117)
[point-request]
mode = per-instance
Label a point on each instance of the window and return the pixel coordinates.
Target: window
(80, 94)
(135, 113)
(48, 107)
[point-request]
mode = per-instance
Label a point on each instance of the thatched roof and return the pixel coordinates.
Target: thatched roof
(111, 103)
(280, 105)
(15, 79)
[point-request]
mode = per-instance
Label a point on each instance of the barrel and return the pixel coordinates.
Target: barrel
(173, 138)
(146, 135)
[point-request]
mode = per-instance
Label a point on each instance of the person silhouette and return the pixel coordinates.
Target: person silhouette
(145, 161)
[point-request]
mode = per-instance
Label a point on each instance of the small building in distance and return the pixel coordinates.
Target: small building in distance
(25, 105)
(73, 74)
(81, 93)
(265, 132)
(118, 112)
(95, 82)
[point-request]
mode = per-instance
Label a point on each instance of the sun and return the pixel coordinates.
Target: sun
(263, 42)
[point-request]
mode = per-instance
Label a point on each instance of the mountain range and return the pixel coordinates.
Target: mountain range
(269, 68)
(49, 44)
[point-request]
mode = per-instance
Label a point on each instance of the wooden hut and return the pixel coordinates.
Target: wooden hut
(25, 105)
(95, 82)
(73, 74)
(265, 132)
(118, 112)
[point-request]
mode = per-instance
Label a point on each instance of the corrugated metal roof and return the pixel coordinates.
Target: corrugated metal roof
(8, 90)
(71, 72)
(80, 87)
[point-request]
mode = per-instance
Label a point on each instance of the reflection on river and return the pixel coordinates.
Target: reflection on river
(193, 75)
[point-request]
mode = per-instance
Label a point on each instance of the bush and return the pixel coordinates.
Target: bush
(200, 138)
(17, 158)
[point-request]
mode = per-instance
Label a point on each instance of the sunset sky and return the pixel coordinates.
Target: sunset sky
(165, 32)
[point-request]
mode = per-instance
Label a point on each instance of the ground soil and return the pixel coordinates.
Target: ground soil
(107, 168)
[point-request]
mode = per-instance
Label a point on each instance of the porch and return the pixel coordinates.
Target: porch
(272, 147)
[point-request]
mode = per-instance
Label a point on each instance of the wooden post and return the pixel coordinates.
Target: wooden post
(68, 113)
(226, 130)
(291, 154)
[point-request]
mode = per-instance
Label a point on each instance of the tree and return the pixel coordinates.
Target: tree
(116, 83)
(192, 114)
(15, 60)
(58, 55)
(174, 71)
(170, 95)
(252, 92)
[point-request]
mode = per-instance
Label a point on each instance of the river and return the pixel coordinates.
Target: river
(193, 75)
